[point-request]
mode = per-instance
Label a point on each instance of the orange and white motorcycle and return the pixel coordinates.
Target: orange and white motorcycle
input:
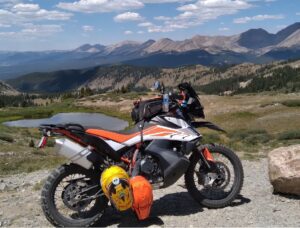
(163, 146)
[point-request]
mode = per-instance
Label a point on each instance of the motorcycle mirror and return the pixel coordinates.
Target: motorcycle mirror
(157, 85)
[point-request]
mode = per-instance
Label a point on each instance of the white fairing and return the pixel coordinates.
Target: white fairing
(178, 122)
(181, 131)
(184, 134)
(116, 146)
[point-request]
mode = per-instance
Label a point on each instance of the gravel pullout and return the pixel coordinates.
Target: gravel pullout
(256, 206)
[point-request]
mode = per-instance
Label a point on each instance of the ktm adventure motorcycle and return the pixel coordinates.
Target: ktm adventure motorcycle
(162, 147)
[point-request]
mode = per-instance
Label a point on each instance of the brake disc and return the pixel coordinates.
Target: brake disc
(217, 180)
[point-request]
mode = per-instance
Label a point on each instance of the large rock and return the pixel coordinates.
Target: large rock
(284, 169)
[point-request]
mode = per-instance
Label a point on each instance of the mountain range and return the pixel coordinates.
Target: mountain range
(253, 46)
(119, 77)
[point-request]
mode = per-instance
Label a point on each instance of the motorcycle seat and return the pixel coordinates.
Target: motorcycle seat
(120, 136)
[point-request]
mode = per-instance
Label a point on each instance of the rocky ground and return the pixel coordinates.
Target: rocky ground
(256, 206)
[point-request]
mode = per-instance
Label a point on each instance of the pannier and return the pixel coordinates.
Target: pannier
(145, 110)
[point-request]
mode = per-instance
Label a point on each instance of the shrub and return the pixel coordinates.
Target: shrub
(291, 103)
(6, 138)
(31, 143)
(289, 135)
(250, 136)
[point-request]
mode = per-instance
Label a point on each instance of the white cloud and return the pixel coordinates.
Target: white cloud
(199, 12)
(140, 32)
(145, 24)
(31, 31)
(4, 26)
(162, 18)
(128, 16)
(244, 20)
(24, 13)
(5, 4)
(41, 30)
(163, 1)
(26, 7)
(100, 6)
(87, 28)
(128, 32)
(223, 29)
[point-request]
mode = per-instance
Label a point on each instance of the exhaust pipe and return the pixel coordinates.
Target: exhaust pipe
(74, 152)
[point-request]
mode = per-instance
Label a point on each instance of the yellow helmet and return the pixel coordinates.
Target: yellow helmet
(115, 185)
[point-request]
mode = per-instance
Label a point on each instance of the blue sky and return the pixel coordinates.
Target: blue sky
(67, 24)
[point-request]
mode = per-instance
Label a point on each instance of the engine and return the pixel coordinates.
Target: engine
(149, 168)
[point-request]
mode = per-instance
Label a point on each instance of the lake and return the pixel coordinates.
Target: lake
(95, 120)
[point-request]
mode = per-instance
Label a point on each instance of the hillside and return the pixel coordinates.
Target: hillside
(254, 46)
(6, 89)
(114, 77)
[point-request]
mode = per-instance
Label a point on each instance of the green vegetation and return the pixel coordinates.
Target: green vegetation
(220, 86)
(291, 103)
(16, 101)
(289, 135)
(285, 79)
(254, 127)
(6, 138)
(25, 158)
(70, 80)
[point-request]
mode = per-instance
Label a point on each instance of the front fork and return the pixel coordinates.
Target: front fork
(207, 159)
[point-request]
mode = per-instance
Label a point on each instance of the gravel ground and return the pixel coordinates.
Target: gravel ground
(256, 206)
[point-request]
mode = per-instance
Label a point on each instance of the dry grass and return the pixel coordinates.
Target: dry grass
(255, 124)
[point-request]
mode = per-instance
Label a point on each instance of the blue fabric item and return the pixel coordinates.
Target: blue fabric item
(184, 104)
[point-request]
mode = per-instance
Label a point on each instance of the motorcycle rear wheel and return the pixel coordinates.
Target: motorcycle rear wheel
(62, 198)
(215, 195)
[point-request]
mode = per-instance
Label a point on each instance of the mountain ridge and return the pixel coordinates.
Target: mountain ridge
(253, 45)
(116, 77)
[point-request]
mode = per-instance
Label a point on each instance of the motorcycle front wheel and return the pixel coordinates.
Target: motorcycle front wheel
(72, 197)
(215, 188)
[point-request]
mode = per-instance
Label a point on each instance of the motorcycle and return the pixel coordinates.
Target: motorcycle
(163, 146)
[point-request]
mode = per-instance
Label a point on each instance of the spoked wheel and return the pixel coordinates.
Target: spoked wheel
(72, 196)
(218, 187)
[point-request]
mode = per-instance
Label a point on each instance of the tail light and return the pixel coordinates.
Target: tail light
(43, 142)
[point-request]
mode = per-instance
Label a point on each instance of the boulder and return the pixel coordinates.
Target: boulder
(284, 169)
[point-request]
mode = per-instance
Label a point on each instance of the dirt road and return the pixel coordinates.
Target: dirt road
(256, 206)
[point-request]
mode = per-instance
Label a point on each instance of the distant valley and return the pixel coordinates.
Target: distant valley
(253, 46)
(278, 76)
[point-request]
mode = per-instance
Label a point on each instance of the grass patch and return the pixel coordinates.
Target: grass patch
(291, 103)
(29, 163)
(243, 115)
(289, 135)
(211, 138)
(6, 138)
(250, 136)
(287, 103)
